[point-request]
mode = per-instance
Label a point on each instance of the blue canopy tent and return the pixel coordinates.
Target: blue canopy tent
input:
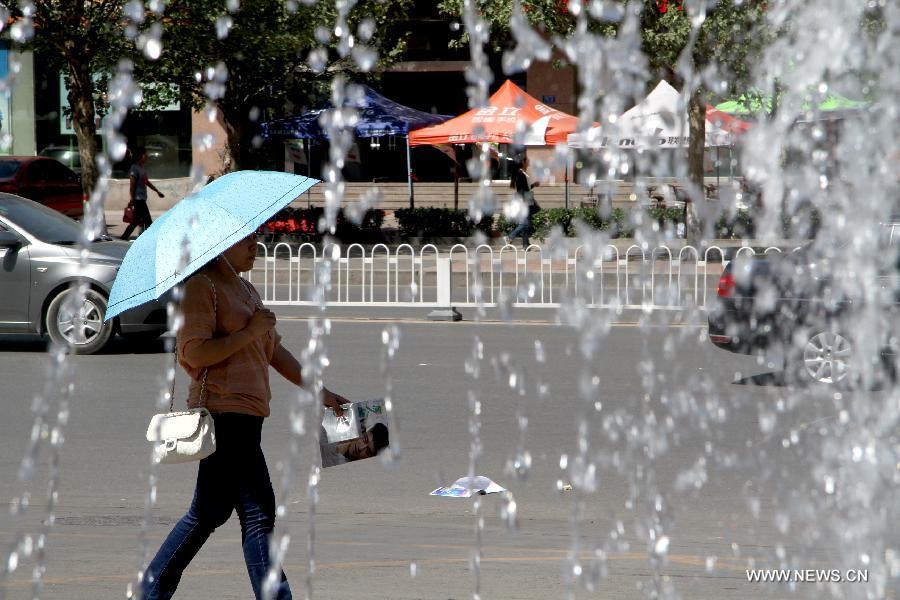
(378, 117)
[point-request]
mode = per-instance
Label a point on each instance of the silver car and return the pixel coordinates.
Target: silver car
(39, 264)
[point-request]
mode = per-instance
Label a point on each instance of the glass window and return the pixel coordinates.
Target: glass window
(43, 223)
(37, 171)
(8, 168)
(67, 156)
(58, 172)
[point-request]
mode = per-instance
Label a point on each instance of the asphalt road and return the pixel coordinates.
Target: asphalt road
(686, 477)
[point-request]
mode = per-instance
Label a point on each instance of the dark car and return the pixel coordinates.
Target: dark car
(44, 180)
(39, 264)
(793, 306)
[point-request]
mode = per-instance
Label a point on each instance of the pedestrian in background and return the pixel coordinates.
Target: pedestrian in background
(521, 183)
(226, 345)
(138, 194)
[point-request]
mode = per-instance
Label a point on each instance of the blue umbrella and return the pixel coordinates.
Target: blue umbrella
(209, 222)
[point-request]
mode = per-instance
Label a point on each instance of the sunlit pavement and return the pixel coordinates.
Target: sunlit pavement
(378, 534)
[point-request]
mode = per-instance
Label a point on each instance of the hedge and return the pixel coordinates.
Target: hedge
(567, 218)
(303, 225)
(430, 223)
(740, 225)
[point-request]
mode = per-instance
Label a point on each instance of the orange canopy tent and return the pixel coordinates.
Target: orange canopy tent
(509, 110)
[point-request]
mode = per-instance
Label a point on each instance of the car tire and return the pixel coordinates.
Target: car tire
(824, 358)
(85, 332)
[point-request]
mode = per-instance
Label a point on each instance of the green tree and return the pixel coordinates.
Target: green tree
(729, 37)
(82, 39)
(264, 55)
(548, 16)
(264, 61)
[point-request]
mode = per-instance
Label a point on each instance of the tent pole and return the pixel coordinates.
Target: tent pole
(567, 181)
(717, 170)
(730, 164)
(455, 179)
(309, 172)
(412, 200)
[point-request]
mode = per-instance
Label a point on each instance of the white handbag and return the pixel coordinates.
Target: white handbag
(184, 436)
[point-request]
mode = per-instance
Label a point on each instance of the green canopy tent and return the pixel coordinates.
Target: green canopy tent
(833, 103)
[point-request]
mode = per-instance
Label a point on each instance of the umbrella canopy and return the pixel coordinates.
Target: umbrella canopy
(377, 117)
(202, 226)
(658, 121)
(750, 106)
(509, 110)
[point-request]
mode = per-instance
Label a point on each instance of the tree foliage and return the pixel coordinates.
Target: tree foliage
(708, 42)
(264, 61)
(551, 17)
(264, 54)
(82, 39)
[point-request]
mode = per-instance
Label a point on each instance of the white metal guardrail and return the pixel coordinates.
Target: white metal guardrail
(638, 277)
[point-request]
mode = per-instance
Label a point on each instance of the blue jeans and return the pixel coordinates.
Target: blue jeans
(523, 229)
(234, 477)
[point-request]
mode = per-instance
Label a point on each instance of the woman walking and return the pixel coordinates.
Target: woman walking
(521, 183)
(138, 194)
(226, 345)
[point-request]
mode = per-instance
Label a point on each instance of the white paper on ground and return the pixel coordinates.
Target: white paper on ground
(464, 487)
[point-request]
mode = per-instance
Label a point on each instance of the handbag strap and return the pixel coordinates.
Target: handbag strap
(243, 281)
(203, 394)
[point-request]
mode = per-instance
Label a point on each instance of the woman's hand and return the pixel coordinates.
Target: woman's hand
(536, 184)
(261, 322)
(334, 401)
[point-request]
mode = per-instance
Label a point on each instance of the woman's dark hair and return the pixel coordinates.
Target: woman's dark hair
(138, 153)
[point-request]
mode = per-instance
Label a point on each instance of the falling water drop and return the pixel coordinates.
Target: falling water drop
(223, 26)
(153, 48)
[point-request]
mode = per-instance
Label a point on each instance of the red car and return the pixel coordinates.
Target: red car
(44, 180)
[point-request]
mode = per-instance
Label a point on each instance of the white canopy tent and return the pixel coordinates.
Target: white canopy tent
(659, 121)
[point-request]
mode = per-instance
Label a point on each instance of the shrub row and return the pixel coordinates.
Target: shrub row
(429, 223)
(621, 224)
(303, 225)
(566, 219)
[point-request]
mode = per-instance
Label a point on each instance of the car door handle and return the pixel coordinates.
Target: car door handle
(41, 269)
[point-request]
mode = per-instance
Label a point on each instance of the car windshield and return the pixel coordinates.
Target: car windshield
(8, 168)
(39, 221)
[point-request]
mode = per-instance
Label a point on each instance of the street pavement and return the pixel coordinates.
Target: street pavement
(378, 533)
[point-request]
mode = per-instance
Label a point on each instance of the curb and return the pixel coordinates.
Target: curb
(680, 317)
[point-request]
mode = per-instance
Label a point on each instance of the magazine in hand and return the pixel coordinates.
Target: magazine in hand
(361, 432)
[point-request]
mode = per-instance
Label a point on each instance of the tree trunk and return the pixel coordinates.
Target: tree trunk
(696, 144)
(81, 101)
(231, 160)
(240, 132)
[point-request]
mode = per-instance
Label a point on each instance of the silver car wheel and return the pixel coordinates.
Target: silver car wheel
(826, 357)
(82, 326)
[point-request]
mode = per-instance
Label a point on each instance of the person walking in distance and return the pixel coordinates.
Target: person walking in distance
(226, 345)
(521, 183)
(138, 190)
